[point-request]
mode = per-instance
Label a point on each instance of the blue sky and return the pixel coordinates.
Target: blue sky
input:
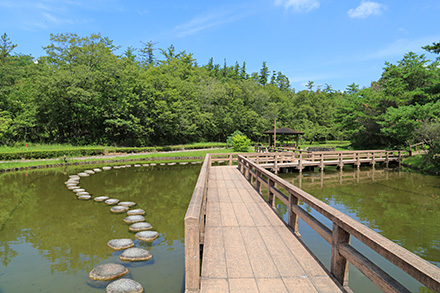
(334, 42)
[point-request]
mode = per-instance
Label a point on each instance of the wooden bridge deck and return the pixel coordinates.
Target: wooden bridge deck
(248, 248)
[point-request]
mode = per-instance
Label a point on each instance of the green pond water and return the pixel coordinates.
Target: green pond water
(402, 206)
(49, 240)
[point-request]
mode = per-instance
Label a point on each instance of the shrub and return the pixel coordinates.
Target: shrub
(240, 143)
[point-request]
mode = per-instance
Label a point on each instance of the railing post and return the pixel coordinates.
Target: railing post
(230, 159)
(192, 255)
(358, 160)
(400, 158)
(341, 164)
(386, 158)
(258, 183)
(373, 157)
(339, 264)
(300, 162)
(270, 196)
(275, 163)
(293, 218)
(321, 164)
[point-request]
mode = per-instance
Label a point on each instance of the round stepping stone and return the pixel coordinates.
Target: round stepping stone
(127, 166)
(124, 285)
(137, 165)
(146, 235)
(141, 226)
(82, 193)
(134, 219)
(127, 203)
(116, 167)
(112, 201)
(106, 168)
(136, 212)
(84, 197)
(71, 183)
(107, 272)
(101, 198)
(79, 190)
(82, 174)
(153, 164)
(72, 187)
(135, 254)
(162, 164)
(122, 166)
(119, 244)
(74, 177)
(118, 209)
(97, 170)
(145, 165)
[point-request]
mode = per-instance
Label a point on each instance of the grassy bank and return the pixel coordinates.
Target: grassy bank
(420, 164)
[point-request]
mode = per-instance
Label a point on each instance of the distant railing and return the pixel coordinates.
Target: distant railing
(413, 148)
(342, 253)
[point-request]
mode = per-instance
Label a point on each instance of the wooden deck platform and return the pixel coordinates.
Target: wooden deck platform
(248, 248)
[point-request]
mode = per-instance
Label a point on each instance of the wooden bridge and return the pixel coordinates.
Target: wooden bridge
(235, 241)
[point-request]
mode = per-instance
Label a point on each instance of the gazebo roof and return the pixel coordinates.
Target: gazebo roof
(284, 130)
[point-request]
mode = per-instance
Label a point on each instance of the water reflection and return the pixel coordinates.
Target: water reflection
(43, 225)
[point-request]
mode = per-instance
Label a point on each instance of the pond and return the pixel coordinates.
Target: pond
(50, 240)
(404, 207)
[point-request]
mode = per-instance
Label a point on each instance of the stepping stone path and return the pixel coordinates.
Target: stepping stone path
(141, 226)
(112, 201)
(118, 209)
(135, 254)
(127, 203)
(107, 272)
(146, 235)
(124, 285)
(84, 197)
(135, 212)
(134, 219)
(119, 244)
(101, 198)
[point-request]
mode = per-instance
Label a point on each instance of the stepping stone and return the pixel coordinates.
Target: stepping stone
(82, 174)
(71, 183)
(79, 190)
(162, 164)
(124, 285)
(106, 168)
(74, 177)
(135, 254)
(127, 166)
(101, 198)
(146, 235)
(171, 164)
(153, 164)
(97, 170)
(119, 244)
(141, 226)
(89, 171)
(134, 219)
(116, 167)
(193, 163)
(145, 165)
(137, 165)
(112, 201)
(107, 272)
(183, 163)
(84, 197)
(118, 209)
(82, 193)
(127, 203)
(136, 212)
(73, 187)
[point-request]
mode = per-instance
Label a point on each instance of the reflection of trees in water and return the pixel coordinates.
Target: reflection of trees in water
(403, 207)
(72, 234)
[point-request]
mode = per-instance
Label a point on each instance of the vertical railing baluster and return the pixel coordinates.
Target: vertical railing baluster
(339, 264)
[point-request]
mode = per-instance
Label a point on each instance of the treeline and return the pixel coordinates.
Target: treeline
(82, 92)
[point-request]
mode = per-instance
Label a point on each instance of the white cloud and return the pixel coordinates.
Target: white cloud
(298, 5)
(365, 9)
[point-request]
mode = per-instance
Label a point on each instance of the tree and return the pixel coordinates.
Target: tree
(6, 47)
(264, 74)
(434, 48)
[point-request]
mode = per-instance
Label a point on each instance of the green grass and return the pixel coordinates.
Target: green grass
(419, 163)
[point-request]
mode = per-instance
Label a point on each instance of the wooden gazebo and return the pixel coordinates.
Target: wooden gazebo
(284, 131)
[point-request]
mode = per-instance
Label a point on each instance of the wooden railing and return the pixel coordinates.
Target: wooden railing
(414, 148)
(195, 229)
(342, 253)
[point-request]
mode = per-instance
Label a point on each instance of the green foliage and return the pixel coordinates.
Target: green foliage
(239, 142)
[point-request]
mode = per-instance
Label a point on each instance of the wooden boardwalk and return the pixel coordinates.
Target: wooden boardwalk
(248, 248)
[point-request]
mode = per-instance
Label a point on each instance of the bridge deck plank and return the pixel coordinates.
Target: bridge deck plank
(247, 246)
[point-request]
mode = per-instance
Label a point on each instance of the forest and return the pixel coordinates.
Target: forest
(83, 93)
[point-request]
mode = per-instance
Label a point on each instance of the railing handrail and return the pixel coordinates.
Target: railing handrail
(194, 228)
(343, 227)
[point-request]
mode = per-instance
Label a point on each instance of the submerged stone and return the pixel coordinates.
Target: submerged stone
(134, 219)
(101, 198)
(141, 226)
(119, 244)
(124, 285)
(135, 254)
(136, 212)
(127, 203)
(146, 235)
(118, 209)
(106, 168)
(107, 272)
(112, 201)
